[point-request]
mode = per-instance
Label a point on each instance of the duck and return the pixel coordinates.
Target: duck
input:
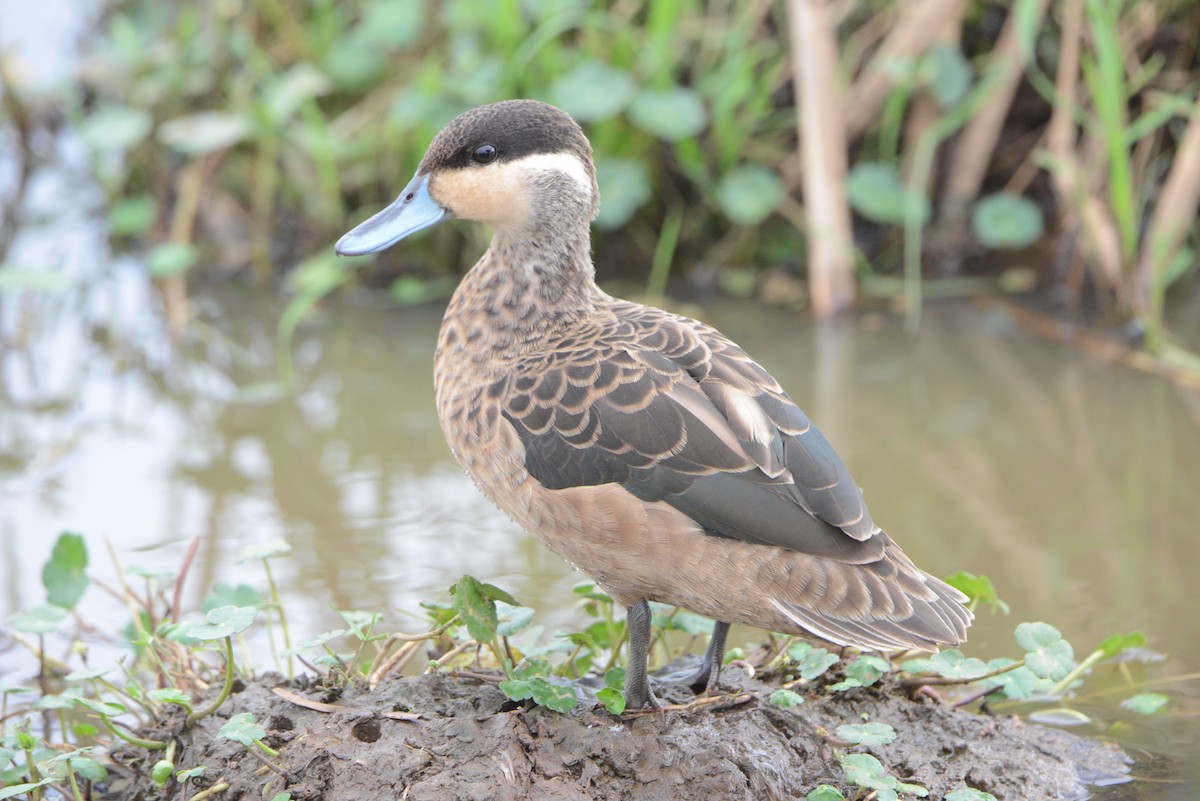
(644, 447)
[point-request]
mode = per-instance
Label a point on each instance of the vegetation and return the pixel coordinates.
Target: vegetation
(59, 735)
(252, 134)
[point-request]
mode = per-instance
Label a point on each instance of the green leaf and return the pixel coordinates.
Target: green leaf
(190, 773)
(28, 279)
(786, 699)
(285, 796)
(1146, 703)
(866, 733)
(969, 794)
(224, 621)
(263, 550)
(688, 623)
(395, 23)
(876, 192)
(825, 792)
(494, 593)
(1048, 655)
(86, 674)
(554, 696)
(38, 620)
(241, 728)
(748, 194)
(979, 589)
(171, 695)
(171, 258)
(949, 663)
(475, 609)
(811, 661)
(204, 132)
(14, 790)
(228, 595)
(593, 91)
(862, 672)
(670, 114)
(1111, 646)
(161, 771)
(517, 689)
(285, 93)
(624, 188)
(511, 619)
(105, 709)
(131, 216)
(64, 575)
(950, 75)
(867, 771)
(613, 700)
(52, 701)
(116, 128)
(88, 768)
(1004, 220)
(1015, 684)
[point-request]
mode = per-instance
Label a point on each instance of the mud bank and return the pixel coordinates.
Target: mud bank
(470, 742)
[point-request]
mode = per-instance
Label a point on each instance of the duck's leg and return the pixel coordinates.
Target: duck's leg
(637, 682)
(705, 679)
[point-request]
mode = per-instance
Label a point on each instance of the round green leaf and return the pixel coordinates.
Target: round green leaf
(825, 792)
(872, 733)
(63, 576)
(171, 258)
(1146, 703)
(969, 794)
(624, 188)
(1007, 221)
(131, 216)
(593, 91)
(13, 278)
(876, 192)
(38, 620)
(204, 132)
(786, 698)
(224, 621)
(241, 728)
(263, 550)
(810, 660)
(950, 75)
(171, 695)
(1048, 655)
(748, 194)
(116, 127)
(670, 114)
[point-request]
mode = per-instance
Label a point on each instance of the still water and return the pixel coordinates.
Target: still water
(1072, 483)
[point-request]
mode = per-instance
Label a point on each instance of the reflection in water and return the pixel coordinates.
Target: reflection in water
(979, 447)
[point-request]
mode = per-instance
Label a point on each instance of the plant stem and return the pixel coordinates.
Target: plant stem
(149, 745)
(922, 681)
(1092, 658)
(34, 775)
(215, 705)
(74, 784)
(283, 626)
(216, 788)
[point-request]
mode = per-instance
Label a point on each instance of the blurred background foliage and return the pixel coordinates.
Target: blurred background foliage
(246, 135)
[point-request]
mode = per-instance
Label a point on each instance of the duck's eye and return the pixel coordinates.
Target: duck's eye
(484, 154)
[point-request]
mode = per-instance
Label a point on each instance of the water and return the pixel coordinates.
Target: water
(1071, 482)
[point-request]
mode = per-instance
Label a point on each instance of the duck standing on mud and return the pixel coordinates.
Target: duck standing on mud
(644, 447)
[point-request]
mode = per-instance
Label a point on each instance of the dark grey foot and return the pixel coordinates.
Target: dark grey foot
(637, 682)
(704, 680)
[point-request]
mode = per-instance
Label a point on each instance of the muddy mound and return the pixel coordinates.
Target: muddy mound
(471, 742)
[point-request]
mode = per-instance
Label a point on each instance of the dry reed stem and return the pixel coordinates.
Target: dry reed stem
(973, 151)
(819, 108)
(1174, 214)
(1078, 206)
(919, 24)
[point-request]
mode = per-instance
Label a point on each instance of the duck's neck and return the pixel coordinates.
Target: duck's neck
(533, 282)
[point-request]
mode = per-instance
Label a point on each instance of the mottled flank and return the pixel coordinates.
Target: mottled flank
(645, 447)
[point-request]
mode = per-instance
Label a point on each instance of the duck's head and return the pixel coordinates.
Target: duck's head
(521, 166)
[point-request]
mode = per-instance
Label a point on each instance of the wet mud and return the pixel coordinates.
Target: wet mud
(471, 742)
